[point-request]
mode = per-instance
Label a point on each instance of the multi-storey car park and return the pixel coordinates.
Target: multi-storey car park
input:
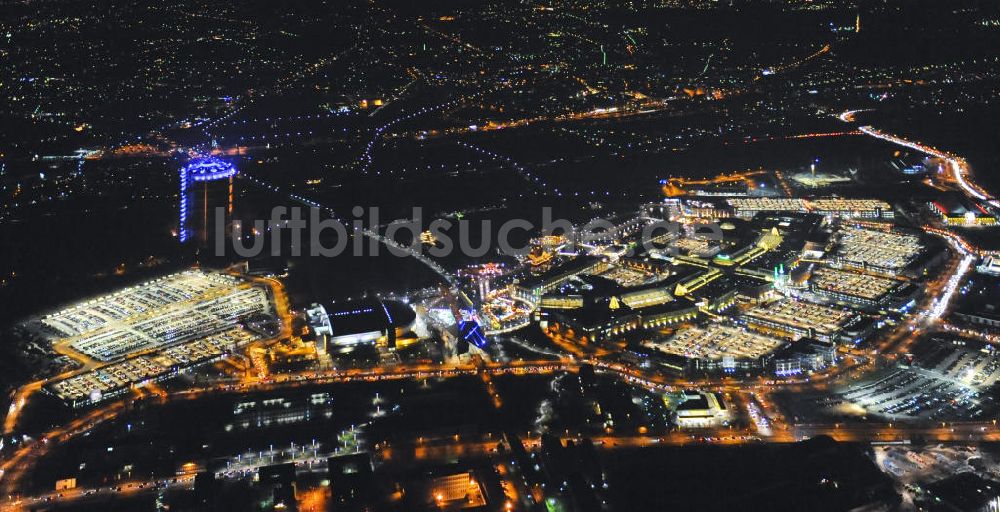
(116, 378)
(795, 319)
(852, 208)
(880, 251)
(719, 346)
(750, 206)
(853, 287)
(834, 206)
(166, 311)
(134, 301)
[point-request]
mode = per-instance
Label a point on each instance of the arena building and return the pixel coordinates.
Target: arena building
(347, 325)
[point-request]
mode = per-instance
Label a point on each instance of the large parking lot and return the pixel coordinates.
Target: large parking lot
(155, 314)
(945, 381)
(94, 385)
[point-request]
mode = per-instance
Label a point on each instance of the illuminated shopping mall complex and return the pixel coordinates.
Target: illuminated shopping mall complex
(500, 256)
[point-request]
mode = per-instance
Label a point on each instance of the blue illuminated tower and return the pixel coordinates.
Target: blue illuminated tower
(206, 183)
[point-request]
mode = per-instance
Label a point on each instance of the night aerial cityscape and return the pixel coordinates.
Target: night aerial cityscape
(500, 255)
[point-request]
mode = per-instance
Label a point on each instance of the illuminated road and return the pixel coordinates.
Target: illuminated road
(958, 165)
(450, 448)
(16, 465)
(19, 399)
